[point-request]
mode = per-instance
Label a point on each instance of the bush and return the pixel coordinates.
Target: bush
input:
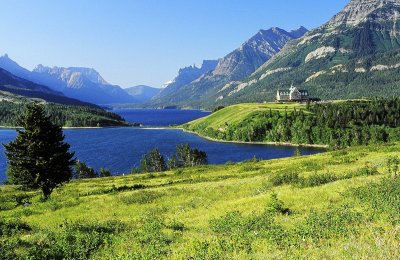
(153, 161)
(277, 206)
(237, 232)
(74, 241)
(337, 222)
(382, 197)
(141, 197)
(82, 171)
(284, 177)
(104, 172)
(11, 227)
(316, 179)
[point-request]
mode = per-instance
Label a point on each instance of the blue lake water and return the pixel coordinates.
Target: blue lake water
(120, 149)
(160, 117)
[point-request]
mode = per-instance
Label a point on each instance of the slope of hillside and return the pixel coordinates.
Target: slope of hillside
(332, 206)
(353, 55)
(235, 66)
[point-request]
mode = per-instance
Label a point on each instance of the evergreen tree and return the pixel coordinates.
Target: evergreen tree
(82, 171)
(104, 172)
(189, 157)
(153, 162)
(39, 157)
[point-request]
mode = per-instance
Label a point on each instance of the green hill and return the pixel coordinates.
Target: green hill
(335, 124)
(336, 205)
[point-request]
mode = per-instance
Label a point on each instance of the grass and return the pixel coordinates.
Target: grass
(336, 205)
(237, 113)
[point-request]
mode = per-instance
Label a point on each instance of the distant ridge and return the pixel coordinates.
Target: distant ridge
(200, 91)
(143, 93)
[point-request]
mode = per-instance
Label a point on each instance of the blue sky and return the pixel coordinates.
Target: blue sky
(132, 42)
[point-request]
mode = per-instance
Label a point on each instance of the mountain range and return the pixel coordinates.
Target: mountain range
(353, 55)
(12, 86)
(194, 86)
(85, 84)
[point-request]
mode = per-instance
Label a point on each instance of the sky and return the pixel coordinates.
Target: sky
(134, 42)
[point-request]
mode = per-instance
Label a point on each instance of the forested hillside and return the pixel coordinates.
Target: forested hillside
(338, 124)
(67, 116)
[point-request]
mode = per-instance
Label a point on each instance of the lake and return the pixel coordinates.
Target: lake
(160, 117)
(120, 149)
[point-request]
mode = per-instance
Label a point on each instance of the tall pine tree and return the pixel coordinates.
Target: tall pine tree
(39, 157)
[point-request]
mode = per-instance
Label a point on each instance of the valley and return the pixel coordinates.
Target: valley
(280, 144)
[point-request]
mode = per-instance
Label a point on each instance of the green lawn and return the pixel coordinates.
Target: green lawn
(216, 212)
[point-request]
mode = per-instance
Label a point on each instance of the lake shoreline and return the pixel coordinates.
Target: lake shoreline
(191, 132)
(257, 143)
(72, 128)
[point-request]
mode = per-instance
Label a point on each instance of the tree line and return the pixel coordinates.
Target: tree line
(63, 115)
(339, 124)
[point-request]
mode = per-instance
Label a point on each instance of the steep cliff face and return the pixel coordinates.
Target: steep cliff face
(359, 11)
(355, 54)
(237, 65)
(185, 76)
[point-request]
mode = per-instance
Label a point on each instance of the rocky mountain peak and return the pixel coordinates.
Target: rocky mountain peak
(299, 32)
(358, 11)
(72, 75)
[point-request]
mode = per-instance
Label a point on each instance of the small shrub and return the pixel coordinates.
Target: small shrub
(383, 198)
(151, 240)
(104, 172)
(141, 197)
(393, 165)
(178, 172)
(337, 222)
(284, 177)
(364, 171)
(277, 206)
(176, 226)
(74, 241)
(316, 179)
(249, 167)
(10, 227)
(238, 232)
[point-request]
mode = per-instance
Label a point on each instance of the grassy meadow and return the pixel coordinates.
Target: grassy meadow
(340, 204)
